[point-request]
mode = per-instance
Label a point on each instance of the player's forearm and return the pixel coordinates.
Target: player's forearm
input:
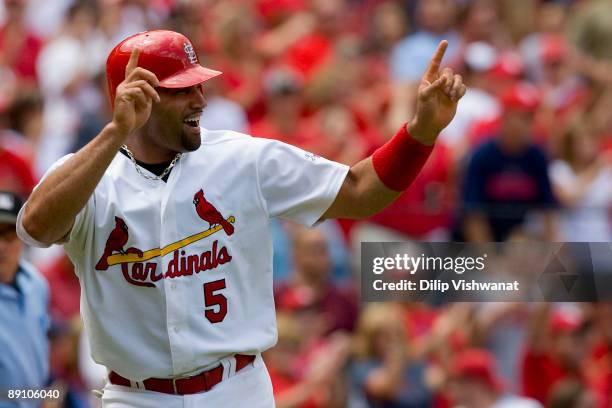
(394, 166)
(374, 183)
(51, 209)
(364, 193)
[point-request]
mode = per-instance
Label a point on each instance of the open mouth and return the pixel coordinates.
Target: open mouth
(193, 120)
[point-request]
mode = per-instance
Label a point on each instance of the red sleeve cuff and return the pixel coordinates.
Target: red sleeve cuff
(400, 160)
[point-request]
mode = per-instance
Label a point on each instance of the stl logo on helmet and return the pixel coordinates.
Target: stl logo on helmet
(193, 58)
(145, 273)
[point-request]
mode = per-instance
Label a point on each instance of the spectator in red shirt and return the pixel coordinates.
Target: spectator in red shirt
(339, 138)
(233, 51)
(475, 383)
(599, 372)
(310, 286)
(281, 361)
(65, 288)
(25, 125)
(555, 351)
(300, 377)
(19, 47)
(284, 119)
(313, 50)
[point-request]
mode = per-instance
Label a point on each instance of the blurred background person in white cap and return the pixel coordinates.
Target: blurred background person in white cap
(24, 321)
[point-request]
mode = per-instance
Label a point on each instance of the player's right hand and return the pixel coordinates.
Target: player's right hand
(438, 96)
(135, 96)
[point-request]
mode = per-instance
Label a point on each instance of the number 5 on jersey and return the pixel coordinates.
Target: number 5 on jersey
(216, 303)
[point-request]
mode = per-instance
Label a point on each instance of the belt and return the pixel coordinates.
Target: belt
(201, 382)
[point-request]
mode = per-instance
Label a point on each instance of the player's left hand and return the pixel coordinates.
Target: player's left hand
(438, 95)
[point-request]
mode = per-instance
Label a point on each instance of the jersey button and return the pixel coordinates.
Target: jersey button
(176, 329)
(173, 286)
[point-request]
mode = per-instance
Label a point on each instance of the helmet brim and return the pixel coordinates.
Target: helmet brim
(189, 77)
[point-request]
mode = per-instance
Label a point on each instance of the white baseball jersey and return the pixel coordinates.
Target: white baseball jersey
(175, 276)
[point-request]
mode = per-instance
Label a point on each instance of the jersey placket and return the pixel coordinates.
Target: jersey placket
(174, 288)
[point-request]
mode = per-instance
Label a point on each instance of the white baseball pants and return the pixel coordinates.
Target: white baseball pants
(249, 388)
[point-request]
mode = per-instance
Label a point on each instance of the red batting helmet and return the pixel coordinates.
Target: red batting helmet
(169, 55)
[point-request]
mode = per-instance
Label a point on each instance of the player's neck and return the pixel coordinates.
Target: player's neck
(146, 152)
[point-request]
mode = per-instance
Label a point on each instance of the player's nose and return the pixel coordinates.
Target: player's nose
(198, 98)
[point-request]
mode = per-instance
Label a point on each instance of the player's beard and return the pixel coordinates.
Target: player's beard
(167, 129)
(179, 137)
(189, 141)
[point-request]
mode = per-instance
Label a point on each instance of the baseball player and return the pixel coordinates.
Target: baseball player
(167, 225)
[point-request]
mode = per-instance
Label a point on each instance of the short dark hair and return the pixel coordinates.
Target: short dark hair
(21, 108)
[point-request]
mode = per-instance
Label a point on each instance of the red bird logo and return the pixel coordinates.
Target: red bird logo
(209, 213)
(115, 243)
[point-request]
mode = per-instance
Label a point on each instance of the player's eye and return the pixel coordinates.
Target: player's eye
(176, 91)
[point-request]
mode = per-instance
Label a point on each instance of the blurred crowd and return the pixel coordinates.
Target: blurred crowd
(528, 157)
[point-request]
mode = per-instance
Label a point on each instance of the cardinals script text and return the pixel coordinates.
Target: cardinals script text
(181, 264)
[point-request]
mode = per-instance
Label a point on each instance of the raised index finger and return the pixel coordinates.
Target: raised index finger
(432, 70)
(133, 62)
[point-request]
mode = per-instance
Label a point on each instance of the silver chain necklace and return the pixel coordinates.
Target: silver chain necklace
(139, 170)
